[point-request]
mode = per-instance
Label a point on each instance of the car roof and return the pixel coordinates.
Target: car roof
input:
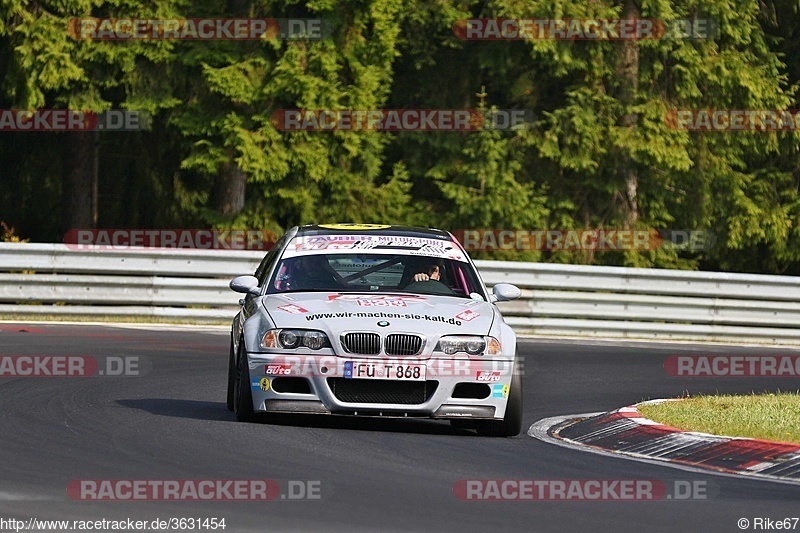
(372, 229)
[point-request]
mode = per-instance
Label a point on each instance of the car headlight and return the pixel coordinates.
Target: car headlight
(315, 340)
(469, 344)
(289, 339)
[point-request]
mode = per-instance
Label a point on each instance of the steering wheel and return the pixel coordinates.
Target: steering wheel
(430, 286)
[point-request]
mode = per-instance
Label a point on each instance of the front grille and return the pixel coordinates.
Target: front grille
(362, 343)
(382, 391)
(403, 344)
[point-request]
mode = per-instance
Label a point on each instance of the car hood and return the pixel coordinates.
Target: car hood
(337, 312)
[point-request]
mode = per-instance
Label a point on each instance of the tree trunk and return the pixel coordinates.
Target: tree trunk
(77, 184)
(628, 75)
(229, 189)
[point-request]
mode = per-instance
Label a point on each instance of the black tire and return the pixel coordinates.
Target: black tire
(511, 424)
(231, 377)
(242, 395)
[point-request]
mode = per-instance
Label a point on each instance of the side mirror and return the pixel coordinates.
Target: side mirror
(245, 285)
(506, 291)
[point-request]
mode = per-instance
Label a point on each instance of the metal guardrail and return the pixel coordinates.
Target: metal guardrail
(52, 280)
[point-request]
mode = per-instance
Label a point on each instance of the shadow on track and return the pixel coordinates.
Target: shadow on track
(216, 411)
(193, 409)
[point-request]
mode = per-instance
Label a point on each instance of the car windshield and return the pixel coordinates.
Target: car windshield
(365, 272)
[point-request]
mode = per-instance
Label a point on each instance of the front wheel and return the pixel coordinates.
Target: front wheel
(242, 395)
(511, 424)
(231, 377)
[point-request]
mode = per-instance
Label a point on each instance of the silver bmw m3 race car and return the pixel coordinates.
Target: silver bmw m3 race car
(371, 320)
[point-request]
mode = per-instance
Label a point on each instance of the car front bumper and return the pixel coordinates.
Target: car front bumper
(467, 388)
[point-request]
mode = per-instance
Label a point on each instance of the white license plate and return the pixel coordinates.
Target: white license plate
(384, 370)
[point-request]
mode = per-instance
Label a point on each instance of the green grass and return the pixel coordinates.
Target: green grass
(767, 416)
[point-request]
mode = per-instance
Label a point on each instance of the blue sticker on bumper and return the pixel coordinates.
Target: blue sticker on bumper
(500, 391)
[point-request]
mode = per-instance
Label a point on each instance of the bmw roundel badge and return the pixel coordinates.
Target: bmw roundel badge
(383, 323)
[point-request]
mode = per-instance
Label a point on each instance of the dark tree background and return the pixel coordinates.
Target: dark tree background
(599, 155)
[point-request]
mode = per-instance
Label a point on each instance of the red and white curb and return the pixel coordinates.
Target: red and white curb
(625, 433)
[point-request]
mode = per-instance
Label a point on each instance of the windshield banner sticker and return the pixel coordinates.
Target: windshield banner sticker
(375, 244)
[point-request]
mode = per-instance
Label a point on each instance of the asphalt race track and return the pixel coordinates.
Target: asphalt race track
(171, 423)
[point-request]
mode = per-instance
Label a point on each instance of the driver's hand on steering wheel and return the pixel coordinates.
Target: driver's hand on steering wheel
(421, 277)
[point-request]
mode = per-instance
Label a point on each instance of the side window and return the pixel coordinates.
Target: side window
(268, 261)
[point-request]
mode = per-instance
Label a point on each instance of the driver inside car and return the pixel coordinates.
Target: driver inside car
(427, 276)
(432, 272)
(422, 269)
